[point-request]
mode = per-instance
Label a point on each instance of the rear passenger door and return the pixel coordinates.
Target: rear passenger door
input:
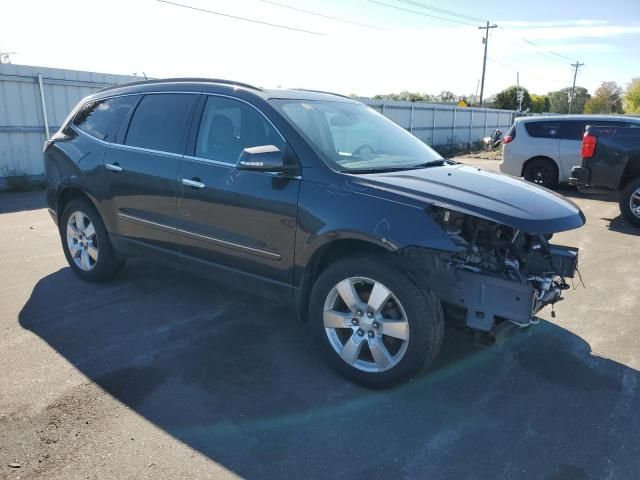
(141, 172)
(570, 135)
(544, 140)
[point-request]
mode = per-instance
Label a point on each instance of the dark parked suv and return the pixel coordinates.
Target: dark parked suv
(312, 198)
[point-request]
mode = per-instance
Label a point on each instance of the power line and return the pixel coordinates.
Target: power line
(550, 51)
(421, 13)
(330, 17)
(442, 10)
(244, 19)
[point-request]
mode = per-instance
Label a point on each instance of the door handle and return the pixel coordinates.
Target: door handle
(193, 183)
(113, 167)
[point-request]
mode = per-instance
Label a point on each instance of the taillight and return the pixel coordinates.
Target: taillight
(507, 139)
(588, 145)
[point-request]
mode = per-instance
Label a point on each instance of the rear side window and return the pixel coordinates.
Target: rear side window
(542, 129)
(102, 118)
(572, 130)
(228, 126)
(160, 122)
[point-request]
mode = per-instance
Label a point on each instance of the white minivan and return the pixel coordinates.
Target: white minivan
(544, 148)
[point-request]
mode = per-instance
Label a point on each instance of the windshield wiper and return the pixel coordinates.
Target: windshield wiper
(430, 163)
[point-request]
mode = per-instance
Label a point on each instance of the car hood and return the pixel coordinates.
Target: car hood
(497, 197)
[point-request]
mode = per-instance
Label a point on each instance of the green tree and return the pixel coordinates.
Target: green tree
(405, 96)
(559, 100)
(508, 99)
(539, 103)
(606, 99)
(632, 97)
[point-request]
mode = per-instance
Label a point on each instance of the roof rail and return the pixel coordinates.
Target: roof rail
(322, 91)
(183, 79)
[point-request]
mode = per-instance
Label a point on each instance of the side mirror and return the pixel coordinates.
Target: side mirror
(266, 158)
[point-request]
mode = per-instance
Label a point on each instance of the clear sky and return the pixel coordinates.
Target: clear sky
(405, 50)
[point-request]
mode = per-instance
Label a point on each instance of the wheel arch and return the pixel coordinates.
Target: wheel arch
(69, 193)
(324, 256)
(631, 171)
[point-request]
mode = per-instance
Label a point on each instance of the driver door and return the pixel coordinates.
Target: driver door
(243, 221)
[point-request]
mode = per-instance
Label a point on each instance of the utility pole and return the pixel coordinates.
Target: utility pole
(485, 40)
(519, 93)
(576, 66)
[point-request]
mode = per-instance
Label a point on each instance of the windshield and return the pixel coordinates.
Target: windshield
(351, 137)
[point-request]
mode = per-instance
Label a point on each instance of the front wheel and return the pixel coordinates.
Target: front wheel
(630, 202)
(375, 326)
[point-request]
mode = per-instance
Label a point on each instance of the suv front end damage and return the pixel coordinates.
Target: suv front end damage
(497, 273)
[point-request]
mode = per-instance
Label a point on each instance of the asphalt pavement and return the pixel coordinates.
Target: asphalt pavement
(161, 374)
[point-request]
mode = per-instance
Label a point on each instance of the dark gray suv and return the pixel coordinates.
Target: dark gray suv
(311, 198)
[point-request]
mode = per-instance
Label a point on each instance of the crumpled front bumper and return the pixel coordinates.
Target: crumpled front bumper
(491, 300)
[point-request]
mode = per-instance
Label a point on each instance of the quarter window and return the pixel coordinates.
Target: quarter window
(542, 129)
(102, 118)
(160, 122)
(228, 126)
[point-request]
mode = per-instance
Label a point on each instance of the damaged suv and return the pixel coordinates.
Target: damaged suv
(312, 198)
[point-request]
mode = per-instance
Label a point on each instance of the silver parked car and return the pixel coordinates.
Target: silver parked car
(543, 149)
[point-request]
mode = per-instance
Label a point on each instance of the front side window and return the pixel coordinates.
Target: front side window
(228, 126)
(102, 118)
(160, 122)
(351, 137)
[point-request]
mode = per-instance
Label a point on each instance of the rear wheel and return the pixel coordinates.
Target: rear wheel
(541, 171)
(86, 243)
(630, 202)
(375, 326)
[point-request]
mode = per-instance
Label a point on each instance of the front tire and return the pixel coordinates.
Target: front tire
(374, 325)
(541, 171)
(630, 202)
(86, 243)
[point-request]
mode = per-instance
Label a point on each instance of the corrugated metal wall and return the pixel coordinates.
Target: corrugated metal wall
(22, 131)
(444, 124)
(22, 126)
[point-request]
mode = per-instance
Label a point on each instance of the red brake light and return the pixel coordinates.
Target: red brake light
(507, 139)
(588, 145)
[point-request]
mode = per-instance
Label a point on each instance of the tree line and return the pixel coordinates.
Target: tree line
(608, 98)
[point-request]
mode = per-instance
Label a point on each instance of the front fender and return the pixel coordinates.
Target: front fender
(329, 213)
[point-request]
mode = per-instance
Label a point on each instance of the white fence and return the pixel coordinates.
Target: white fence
(34, 100)
(444, 124)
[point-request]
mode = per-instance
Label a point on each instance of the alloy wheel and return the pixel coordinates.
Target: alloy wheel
(82, 241)
(634, 203)
(366, 324)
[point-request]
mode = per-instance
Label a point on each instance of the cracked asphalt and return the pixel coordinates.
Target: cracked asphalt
(160, 374)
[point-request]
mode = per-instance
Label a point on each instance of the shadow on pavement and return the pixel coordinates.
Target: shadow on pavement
(19, 202)
(238, 379)
(622, 225)
(587, 194)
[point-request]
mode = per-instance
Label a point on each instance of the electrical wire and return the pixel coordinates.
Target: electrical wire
(317, 14)
(421, 13)
(245, 19)
(442, 10)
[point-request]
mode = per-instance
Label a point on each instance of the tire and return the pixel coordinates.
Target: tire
(86, 243)
(630, 202)
(541, 171)
(410, 323)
